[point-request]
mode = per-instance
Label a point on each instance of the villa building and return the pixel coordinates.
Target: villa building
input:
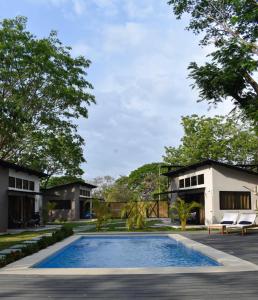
(20, 196)
(72, 201)
(217, 186)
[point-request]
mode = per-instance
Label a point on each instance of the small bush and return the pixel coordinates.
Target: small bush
(44, 242)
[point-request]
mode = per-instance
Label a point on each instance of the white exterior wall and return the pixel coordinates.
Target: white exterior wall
(207, 172)
(216, 179)
(26, 176)
(225, 179)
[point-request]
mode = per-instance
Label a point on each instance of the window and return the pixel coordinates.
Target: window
(11, 182)
(181, 183)
(25, 184)
(201, 179)
(18, 183)
(193, 180)
(31, 185)
(235, 200)
(61, 204)
(187, 182)
(85, 193)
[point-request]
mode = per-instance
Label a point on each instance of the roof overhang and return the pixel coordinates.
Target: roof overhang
(208, 163)
(22, 193)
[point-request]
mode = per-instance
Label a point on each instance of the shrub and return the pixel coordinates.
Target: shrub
(44, 242)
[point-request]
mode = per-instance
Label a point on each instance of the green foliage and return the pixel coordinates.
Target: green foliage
(59, 180)
(102, 213)
(120, 191)
(231, 26)
(43, 90)
(145, 181)
(214, 138)
(136, 214)
(44, 242)
(183, 210)
(48, 211)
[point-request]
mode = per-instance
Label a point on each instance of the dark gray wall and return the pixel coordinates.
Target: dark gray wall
(67, 193)
(4, 178)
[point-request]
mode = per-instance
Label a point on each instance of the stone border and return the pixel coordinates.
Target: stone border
(229, 262)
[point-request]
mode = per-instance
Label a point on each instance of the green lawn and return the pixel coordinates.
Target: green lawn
(119, 225)
(8, 240)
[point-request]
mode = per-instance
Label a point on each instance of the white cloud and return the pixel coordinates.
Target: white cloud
(79, 7)
(141, 9)
(118, 38)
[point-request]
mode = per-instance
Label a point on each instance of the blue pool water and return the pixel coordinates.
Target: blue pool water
(126, 252)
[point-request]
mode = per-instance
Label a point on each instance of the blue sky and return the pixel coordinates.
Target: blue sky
(139, 55)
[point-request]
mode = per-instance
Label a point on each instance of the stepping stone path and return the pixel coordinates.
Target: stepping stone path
(84, 228)
(8, 251)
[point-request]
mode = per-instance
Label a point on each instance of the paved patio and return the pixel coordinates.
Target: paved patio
(241, 285)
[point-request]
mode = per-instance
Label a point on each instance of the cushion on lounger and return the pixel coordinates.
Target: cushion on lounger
(245, 223)
(227, 222)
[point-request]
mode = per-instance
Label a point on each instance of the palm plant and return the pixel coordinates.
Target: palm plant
(183, 210)
(102, 213)
(136, 214)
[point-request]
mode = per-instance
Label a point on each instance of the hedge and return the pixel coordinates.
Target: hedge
(44, 242)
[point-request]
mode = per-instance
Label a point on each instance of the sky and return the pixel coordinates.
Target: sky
(139, 54)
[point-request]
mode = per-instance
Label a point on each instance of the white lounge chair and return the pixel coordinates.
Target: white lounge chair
(228, 219)
(245, 221)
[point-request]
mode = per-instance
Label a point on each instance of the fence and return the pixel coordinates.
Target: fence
(158, 209)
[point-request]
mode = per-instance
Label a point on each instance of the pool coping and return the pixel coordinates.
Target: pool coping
(229, 262)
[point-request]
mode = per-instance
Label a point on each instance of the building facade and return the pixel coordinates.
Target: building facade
(218, 187)
(72, 201)
(20, 196)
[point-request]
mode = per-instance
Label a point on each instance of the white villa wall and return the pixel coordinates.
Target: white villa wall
(35, 179)
(216, 179)
(25, 176)
(225, 179)
(207, 172)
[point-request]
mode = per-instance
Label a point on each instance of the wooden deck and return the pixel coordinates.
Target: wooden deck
(179, 286)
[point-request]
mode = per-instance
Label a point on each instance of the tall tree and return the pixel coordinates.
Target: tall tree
(103, 183)
(231, 26)
(43, 90)
(120, 191)
(59, 180)
(145, 181)
(215, 138)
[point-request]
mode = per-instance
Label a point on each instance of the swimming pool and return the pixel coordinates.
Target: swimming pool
(126, 252)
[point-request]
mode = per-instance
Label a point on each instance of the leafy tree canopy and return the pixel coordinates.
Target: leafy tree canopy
(120, 191)
(214, 138)
(103, 183)
(43, 90)
(231, 26)
(146, 181)
(59, 180)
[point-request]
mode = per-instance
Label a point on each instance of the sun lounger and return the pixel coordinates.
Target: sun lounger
(245, 221)
(228, 219)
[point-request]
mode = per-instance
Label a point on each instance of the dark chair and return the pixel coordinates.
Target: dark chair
(35, 220)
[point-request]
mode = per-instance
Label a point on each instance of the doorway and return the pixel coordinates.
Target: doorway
(198, 214)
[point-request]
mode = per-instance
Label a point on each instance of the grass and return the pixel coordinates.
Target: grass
(8, 240)
(119, 225)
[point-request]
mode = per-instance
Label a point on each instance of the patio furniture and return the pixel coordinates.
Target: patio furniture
(227, 220)
(245, 221)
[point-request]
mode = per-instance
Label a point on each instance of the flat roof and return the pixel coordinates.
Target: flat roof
(204, 163)
(61, 186)
(10, 165)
